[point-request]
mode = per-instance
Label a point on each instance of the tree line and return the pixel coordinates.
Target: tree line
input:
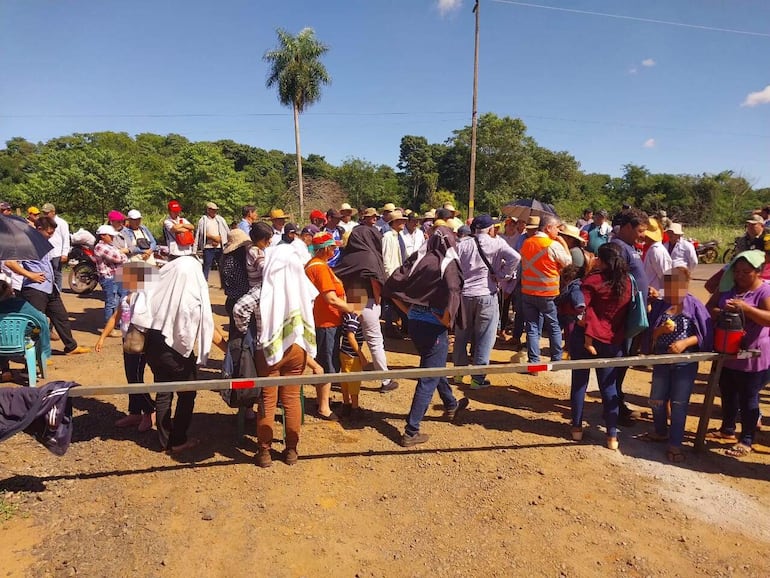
(87, 174)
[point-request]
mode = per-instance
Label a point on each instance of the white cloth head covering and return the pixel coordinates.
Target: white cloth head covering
(178, 306)
(285, 305)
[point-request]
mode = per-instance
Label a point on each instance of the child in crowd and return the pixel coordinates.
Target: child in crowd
(134, 277)
(680, 324)
(570, 304)
(352, 357)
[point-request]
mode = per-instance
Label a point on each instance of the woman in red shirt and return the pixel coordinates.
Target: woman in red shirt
(607, 292)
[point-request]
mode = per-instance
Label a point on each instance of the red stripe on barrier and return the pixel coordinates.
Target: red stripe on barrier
(244, 384)
(534, 368)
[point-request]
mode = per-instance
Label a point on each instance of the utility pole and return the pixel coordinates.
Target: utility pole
(475, 114)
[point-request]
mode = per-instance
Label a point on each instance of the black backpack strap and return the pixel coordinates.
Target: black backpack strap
(484, 258)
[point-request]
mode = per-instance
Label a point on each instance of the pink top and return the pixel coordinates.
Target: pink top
(757, 336)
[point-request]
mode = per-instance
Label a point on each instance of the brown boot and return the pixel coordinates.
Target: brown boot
(264, 459)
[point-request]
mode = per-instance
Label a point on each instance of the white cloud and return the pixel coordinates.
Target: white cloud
(447, 6)
(760, 97)
(649, 143)
(633, 70)
(648, 62)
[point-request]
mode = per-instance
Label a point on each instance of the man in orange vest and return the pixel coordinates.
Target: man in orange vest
(543, 256)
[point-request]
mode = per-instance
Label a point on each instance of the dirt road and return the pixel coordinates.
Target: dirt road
(501, 493)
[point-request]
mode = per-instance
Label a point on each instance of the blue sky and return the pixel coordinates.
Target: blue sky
(609, 91)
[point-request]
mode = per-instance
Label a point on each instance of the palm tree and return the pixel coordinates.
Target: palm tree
(297, 71)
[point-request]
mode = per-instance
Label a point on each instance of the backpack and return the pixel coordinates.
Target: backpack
(596, 239)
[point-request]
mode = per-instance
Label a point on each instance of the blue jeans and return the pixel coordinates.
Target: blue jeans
(740, 390)
(482, 316)
(209, 256)
(328, 348)
(606, 376)
(540, 311)
(672, 383)
(111, 297)
(432, 343)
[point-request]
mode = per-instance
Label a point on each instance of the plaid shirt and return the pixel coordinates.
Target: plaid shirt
(108, 258)
(247, 306)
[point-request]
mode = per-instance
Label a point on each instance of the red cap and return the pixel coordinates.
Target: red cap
(174, 207)
(316, 214)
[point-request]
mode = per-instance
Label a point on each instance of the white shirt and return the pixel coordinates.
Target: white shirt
(656, 262)
(173, 248)
(60, 238)
(413, 241)
(684, 251)
(277, 236)
(391, 252)
(348, 226)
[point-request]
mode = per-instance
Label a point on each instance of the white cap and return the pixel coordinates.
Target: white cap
(107, 230)
(134, 214)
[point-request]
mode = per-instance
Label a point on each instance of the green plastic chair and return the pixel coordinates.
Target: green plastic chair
(16, 341)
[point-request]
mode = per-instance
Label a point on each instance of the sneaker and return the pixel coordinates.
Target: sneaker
(78, 350)
(264, 459)
(451, 414)
(290, 456)
(389, 385)
(458, 380)
(480, 384)
(419, 438)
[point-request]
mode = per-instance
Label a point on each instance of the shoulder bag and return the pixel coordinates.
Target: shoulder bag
(636, 319)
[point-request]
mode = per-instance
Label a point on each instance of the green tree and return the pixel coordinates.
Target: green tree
(417, 159)
(296, 70)
(202, 174)
(368, 185)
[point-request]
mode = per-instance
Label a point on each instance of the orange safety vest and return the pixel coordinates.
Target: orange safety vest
(539, 273)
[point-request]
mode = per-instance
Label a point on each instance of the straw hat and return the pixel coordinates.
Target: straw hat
(370, 212)
(573, 232)
(654, 231)
(235, 238)
(675, 229)
(533, 222)
(396, 216)
(278, 214)
(450, 207)
(429, 215)
(346, 209)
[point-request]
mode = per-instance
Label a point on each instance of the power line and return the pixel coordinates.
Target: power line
(635, 18)
(230, 115)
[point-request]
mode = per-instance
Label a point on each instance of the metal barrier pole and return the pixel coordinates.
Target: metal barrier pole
(416, 373)
(708, 403)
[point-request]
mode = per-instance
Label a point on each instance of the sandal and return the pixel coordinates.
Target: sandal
(577, 434)
(651, 436)
(738, 451)
(719, 435)
(675, 455)
(612, 443)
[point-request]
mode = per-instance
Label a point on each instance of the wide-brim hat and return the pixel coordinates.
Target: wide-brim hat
(370, 212)
(345, 208)
(429, 214)
(397, 216)
(654, 231)
(533, 222)
(236, 238)
(451, 207)
(388, 207)
(675, 228)
(571, 231)
(277, 214)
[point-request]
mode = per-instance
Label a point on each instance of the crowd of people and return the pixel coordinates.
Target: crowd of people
(321, 296)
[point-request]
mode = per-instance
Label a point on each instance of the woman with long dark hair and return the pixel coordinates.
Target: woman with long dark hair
(607, 292)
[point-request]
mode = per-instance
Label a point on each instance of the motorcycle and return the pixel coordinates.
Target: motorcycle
(83, 277)
(708, 252)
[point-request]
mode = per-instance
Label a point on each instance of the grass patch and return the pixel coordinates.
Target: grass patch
(7, 510)
(723, 234)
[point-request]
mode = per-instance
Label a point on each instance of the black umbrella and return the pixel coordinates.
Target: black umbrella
(20, 242)
(524, 208)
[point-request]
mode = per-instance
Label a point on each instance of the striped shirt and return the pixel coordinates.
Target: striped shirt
(351, 323)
